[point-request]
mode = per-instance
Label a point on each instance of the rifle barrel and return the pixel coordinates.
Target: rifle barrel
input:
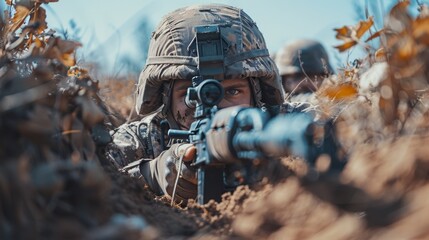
(283, 135)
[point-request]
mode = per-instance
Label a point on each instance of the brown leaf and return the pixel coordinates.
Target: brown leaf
(77, 72)
(346, 45)
(34, 49)
(67, 59)
(39, 43)
(400, 7)
(406, 48)
(67, 46)
(39, 17)
(26, 3)
(349, 72)
(399, 19)
(421, 30)
(67, 49)
(375, 35)
(351, 35)
(340, 92)
(380, 54)
(364, 26)
(18, 19)
(62, 50)
(343, 33)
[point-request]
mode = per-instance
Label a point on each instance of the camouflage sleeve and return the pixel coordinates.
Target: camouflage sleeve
(130, 142)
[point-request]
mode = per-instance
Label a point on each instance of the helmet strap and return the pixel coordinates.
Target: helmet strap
(166, 100)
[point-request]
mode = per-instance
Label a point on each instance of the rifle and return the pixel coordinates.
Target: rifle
(227, 136)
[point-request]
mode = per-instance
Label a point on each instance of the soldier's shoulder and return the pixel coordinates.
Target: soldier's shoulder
(133, 141)
(144, 123)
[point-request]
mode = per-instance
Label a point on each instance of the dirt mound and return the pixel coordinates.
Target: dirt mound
(379, 195)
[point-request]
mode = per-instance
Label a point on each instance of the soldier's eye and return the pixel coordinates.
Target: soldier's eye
(232, 92)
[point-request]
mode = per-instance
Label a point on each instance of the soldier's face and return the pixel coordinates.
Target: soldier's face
(237, 92)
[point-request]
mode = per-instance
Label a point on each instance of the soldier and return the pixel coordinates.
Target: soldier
(303, 64)
(251, 79)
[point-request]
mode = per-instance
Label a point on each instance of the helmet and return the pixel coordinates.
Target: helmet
(311, 54)
(171, 56)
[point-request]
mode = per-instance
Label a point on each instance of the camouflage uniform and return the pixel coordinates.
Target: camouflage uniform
(172, 56)
(137, 140)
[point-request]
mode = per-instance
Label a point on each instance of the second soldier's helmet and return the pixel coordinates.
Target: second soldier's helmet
(303, 56)
(171, 56)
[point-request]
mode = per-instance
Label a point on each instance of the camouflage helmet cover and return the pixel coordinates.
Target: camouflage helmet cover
(311, 54)
(170, 56)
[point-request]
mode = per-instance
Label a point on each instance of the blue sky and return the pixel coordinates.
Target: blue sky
(279, 20)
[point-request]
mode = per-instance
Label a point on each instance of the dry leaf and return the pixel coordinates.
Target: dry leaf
(67, 46)
(39, 43)
(406, 48)
(350, 72)
(77, 72)
(351, 35)
(400, 7)
(39, 17)
(26, 3)
(399, 20)
(363, 27)
(67, 59)
(62, 50)
(343, 33)
(380, 54)
(346, 46)
(18, 19)
(421, 30)
(340, 92)
(67, 49)
(375, 35)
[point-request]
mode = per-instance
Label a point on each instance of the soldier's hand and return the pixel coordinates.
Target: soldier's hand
(161, 173)
(187, 183)
(187, 152)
